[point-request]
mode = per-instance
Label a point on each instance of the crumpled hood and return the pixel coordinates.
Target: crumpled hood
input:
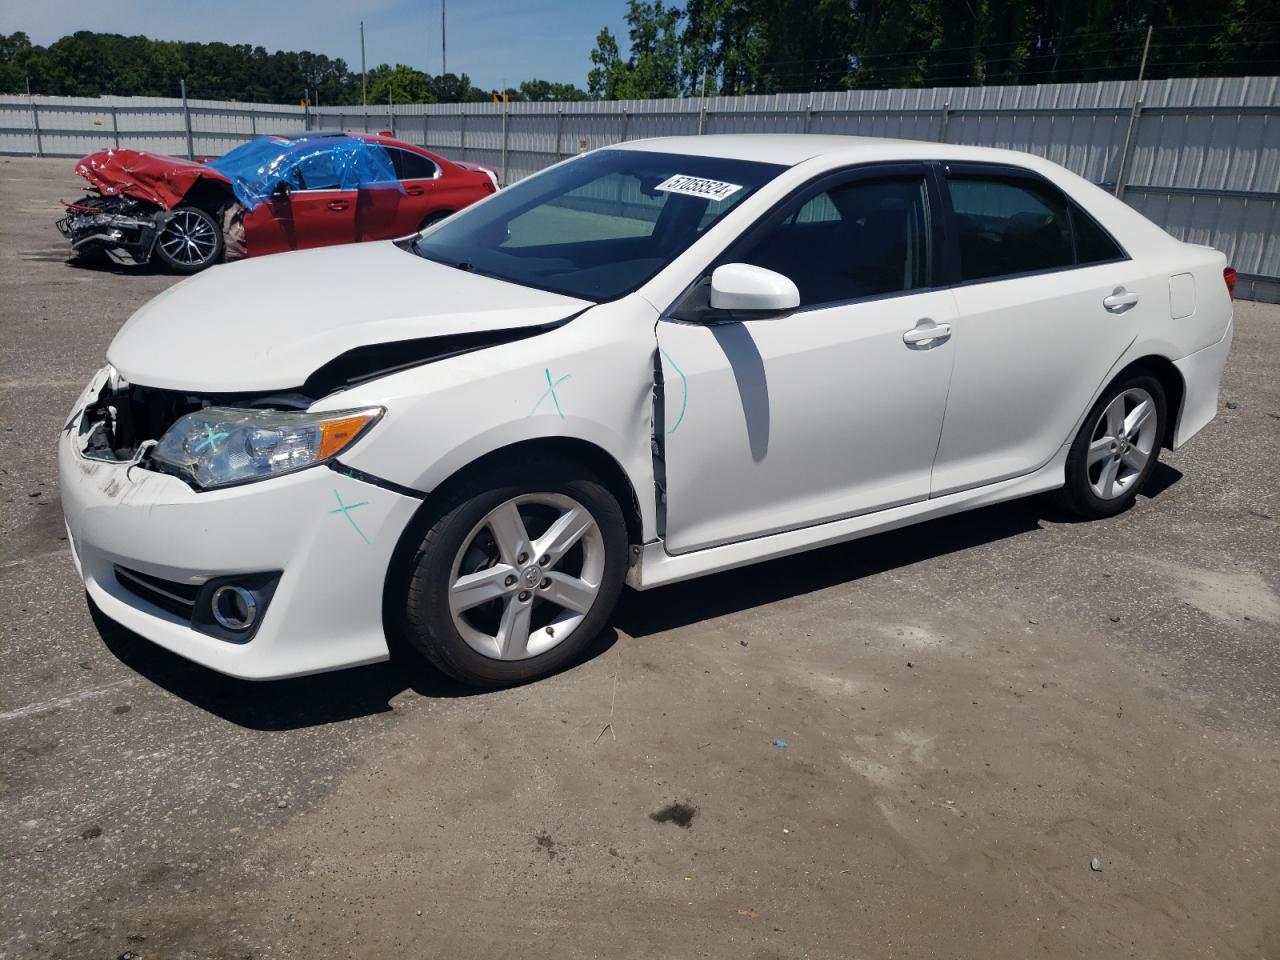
(144, 176)
(268, 323)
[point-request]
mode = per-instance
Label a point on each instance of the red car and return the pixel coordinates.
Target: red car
(268, 195)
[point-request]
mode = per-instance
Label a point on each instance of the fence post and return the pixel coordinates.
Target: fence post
(425, 118)
(506, 115)
(808, 116)
(115, 126)
(1122, 173)
(626, 122)
(186, 120)
(1126, 154)
(253, 120)
(559, 132)
(946, 119)
(462, 135)
(702, 120)
(35, 129)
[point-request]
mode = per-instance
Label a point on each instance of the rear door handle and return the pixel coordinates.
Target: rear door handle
(926, 331)
(1120, 300)
(338, 205)
(415, 191)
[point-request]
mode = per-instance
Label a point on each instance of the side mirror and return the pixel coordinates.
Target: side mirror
(746, 289)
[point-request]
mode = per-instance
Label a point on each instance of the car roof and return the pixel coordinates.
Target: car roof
(790, 149)
(354, 134)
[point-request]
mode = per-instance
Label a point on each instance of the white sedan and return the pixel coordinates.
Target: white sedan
(651, 362)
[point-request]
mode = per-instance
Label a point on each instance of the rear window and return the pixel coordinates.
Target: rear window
(410, 165)
(1013, 225)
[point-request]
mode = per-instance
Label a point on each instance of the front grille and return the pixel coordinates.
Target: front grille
(176, 598)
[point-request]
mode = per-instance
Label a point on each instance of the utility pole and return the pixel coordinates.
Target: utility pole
(444, 62)
(364, 73)
(1123, 172)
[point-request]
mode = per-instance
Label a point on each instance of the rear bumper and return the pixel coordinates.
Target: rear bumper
(1201, 376)
(326, 610)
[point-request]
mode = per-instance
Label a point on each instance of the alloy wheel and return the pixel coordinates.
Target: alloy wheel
(526, 576)
(1123, 439)
(188, 238)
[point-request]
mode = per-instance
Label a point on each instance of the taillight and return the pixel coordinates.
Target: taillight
(1229, 278)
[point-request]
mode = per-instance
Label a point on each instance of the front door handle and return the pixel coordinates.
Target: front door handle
(926, 331)
(1120, 300)
(338, 205)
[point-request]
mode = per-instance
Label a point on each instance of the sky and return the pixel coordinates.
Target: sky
(489, 40)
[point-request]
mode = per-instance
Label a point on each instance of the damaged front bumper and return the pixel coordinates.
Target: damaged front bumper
(121, 227)
(152, 552)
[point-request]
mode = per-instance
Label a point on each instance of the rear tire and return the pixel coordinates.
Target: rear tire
(1117, 448)
(432, 220)
(189, 240)
(517, 575)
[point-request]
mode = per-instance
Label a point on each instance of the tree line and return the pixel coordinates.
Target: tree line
(716, 47)
(87, 64)
(734, 47)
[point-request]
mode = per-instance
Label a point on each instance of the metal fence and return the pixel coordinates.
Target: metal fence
(1203, 157)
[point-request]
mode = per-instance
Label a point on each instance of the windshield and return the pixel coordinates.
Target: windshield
(598, 227)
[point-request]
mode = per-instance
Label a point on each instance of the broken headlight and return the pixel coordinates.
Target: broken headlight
(221, 446)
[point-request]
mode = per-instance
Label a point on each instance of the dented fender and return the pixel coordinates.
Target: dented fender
(590, 380)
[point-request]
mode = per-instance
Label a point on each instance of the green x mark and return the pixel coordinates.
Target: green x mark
(345, 509)
(211, 437)
(551, 392)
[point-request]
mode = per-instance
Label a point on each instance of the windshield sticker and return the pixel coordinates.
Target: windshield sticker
(699, 187)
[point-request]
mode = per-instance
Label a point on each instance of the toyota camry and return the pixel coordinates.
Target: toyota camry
(648, 363)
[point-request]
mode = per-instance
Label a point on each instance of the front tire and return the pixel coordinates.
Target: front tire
(1117, 448)
(189, 240)
(517, 575)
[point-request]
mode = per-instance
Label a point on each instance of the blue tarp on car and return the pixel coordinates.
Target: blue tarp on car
(328, 161)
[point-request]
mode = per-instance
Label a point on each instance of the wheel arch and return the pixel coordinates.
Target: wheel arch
(1170, 378)
(595, 458)
(211, 196)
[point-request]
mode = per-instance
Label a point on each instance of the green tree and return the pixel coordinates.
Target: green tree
(610, 72)
(399, 84)
(653, 68)
(545, 90)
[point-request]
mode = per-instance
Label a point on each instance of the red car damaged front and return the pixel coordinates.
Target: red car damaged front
(268, 195)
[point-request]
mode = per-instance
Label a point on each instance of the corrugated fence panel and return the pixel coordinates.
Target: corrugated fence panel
(1204, 160)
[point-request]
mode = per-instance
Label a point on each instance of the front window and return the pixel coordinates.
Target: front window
(862, 238)
(597, 227)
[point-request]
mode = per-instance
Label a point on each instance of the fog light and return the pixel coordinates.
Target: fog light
(234, 607)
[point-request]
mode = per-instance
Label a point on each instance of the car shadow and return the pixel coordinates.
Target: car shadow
(292, 704)
(643, 614)
(363, 691)
(107, 265)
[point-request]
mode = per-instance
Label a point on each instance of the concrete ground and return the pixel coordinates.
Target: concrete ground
(908, 746)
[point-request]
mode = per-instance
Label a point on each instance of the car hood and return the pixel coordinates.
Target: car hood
(268, 323)
(144, 176)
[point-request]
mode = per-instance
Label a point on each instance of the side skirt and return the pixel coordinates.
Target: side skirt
(657, 568)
